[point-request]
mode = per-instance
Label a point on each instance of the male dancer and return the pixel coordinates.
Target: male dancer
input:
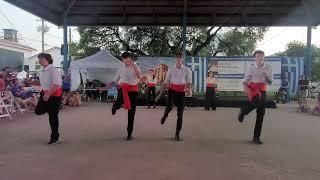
(178, 79)
(127, 79)
(255, 85)
(50, 96)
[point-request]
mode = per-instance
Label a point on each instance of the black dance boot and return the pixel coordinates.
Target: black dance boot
(257, 141)
(164, 118)
(241, 115)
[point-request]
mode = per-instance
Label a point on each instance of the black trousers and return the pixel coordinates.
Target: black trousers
(259, 104)
(211, 98)
(177, 99)
(188, 101)
(131, 113)
(51, 107)
(151, 95)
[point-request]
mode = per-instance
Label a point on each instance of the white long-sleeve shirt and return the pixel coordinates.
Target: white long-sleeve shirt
(179, 76)
(258, 75)
(127, 75)
(50, 76)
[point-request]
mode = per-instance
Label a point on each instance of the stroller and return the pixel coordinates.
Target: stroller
(316, 109)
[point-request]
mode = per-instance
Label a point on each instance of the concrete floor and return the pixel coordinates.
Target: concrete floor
(214, 146)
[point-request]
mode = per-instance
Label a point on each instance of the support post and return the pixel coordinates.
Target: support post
(65, 36)
(184, 32)
(308, 52)
(65, 45)
(42, 35)
(69, 55)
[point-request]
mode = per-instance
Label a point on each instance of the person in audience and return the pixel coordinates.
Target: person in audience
(2, 83)
(89, 85)
(66, 84)
(25, 98)
(96, 85)
(66, 89)
(303, 85)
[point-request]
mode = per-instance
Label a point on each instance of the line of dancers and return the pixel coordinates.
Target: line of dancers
(178, 81)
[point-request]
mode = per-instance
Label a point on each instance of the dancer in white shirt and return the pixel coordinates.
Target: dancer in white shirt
(50, 96)
(179, 80)
(258, 76)
(127, 79)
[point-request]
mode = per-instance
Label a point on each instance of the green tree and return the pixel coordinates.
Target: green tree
(78, 51)
(166, 41)
(297, 49)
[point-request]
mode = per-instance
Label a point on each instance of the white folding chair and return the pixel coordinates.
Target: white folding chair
(5, 107)
(15, 103)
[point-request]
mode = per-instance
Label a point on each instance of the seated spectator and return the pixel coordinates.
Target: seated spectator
(89, 85)
(18, 91)
(2, 83)
(96, 85)
(4, 95)
(25, 98)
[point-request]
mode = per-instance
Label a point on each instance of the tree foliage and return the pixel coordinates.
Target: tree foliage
(297, 49)
(166, 41)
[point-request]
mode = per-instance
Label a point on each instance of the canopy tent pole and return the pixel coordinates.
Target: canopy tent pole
(184, 32)
(65, 45)
(65, 36)
(308, 52)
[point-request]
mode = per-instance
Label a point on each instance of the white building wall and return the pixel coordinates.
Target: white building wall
(27, 53)
(55, 53)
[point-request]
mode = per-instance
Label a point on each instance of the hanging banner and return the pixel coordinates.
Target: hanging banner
(229, 71)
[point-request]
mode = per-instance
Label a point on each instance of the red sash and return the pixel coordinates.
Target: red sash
(57, 93)
(211, 85)
(258, 86)
(125, 89)
(151, 84)
(255, 89)
(177, 88)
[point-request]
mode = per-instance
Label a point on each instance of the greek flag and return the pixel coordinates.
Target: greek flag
(295, 68)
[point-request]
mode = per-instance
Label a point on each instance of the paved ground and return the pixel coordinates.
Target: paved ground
(215, 146)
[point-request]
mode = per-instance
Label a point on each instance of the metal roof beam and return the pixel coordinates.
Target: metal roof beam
(170, 3)
(70, 5)
(53, 6)
(178, 11)
(220, 19)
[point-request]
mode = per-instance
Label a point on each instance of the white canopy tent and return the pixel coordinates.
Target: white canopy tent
(101, 66)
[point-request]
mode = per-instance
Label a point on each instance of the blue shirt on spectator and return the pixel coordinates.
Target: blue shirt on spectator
(65, 85)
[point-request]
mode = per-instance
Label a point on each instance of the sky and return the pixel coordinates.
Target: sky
(275, 39)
